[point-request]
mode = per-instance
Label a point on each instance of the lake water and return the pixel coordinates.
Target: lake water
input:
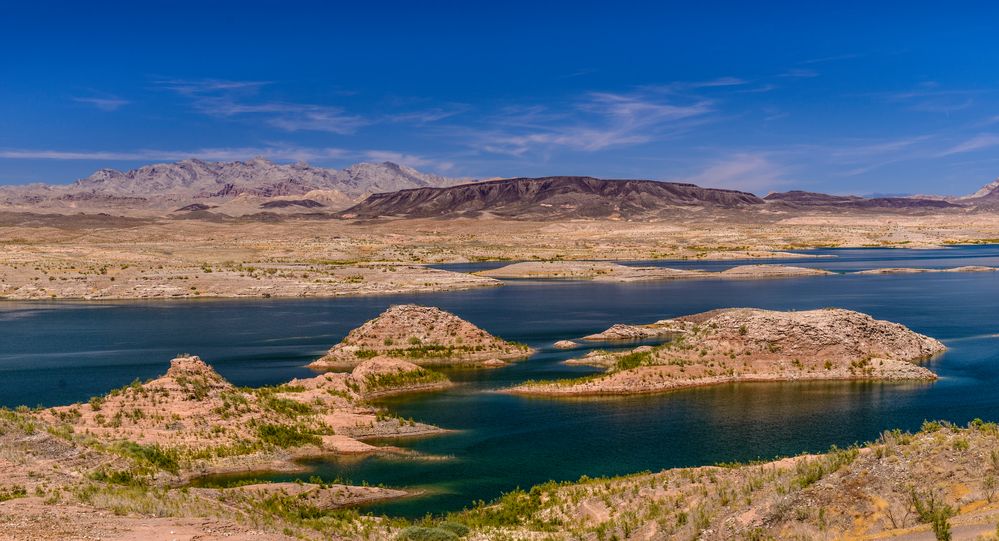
(61, 352)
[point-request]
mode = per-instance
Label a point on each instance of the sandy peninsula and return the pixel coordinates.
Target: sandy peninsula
(605, 271)
(744, 345)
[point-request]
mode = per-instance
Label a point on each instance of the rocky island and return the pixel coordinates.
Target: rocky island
(422, 335)
(746, 344)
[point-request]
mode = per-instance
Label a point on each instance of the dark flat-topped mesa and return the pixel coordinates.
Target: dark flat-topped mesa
(550, 198)
(423, 335)
(748, 344)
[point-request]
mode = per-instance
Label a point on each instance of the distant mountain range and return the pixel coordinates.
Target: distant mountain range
(248, 185)
(371, 190)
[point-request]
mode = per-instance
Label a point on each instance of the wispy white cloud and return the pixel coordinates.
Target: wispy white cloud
(833, 58)
(978, 142)
(224, 154)
(412, 160)
(859, 149)
(680, 87)
(426, 116)
(242, 99)
(284, 153)
(109, 103)
(930, 97)
(226, 99)
(578, 73)
(314, 118)
(196, 87)
(597, 121)
(749, 171)
(759, 89)
(799, 73)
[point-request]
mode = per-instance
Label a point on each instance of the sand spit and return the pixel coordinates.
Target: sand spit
(422, 335)
(603, 271)
(911, 270)
(746, 344)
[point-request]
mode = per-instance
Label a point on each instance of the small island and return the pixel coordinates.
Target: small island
(422, 335)
(747, 344)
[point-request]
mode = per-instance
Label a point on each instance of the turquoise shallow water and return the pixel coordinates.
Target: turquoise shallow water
(56, 353)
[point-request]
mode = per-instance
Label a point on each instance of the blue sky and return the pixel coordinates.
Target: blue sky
(839, 97)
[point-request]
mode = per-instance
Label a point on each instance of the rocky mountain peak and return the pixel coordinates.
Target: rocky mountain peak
(991, 188)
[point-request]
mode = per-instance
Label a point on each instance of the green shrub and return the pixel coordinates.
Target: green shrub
(286, 436)
(419, 376)
(633, 360)
(454, 527)
(164, 459)
(13, 492)
(424, 533)
(287, 407)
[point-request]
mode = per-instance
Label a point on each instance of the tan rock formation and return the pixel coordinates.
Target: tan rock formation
(422, 335)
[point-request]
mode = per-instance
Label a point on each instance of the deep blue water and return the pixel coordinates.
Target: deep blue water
(56, 353)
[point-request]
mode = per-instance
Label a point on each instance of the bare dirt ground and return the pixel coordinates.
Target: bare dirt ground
(94, 256)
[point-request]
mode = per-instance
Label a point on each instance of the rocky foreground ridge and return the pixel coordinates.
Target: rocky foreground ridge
(939, 483)
(747, 344)
(422, 335)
